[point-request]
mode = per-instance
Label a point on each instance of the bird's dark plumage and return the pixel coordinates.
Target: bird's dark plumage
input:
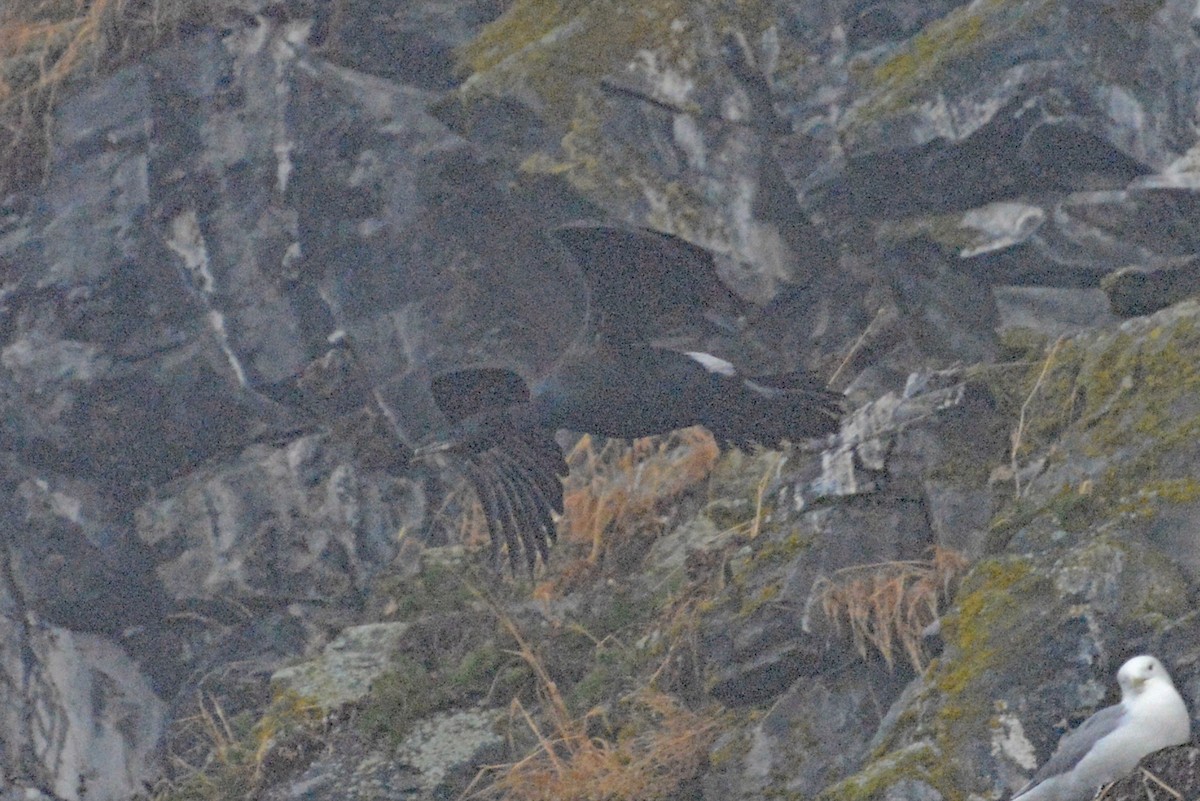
(640, 390)
(644, 284)
(613, 383)
(463, 393)
(515, 469)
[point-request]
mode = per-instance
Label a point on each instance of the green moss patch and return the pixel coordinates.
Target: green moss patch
(553, 48)
(1117, 415)
(955, 44)
(920, 762)
(989, 620)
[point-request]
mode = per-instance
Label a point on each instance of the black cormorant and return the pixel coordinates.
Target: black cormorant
(614, 383)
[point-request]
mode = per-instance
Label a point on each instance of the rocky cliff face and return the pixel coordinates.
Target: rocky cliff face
(255, 244)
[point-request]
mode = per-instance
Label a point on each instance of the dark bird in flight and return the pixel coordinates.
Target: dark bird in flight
(614, 382)
(644, 285)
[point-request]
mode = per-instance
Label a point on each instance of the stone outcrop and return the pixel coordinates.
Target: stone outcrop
(256, 243)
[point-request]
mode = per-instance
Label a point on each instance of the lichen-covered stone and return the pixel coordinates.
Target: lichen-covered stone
(349, 664)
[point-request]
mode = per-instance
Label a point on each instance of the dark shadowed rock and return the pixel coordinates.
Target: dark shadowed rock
(1134, 291)
(1169, 773)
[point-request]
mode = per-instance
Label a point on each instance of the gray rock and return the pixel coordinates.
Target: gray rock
(80, 720)
(450, 748)
(349, 768)
(812, 735)
(348, 665)
(439, 758)
(284, 525)
(1051, 311)
(1000, 225)
(910, 790)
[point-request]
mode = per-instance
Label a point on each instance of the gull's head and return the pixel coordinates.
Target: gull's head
(1140, 671)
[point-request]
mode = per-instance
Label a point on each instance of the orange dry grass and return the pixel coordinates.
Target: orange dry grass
(468, 525)
(889, 605)
(58, 37)
(54, 36)
(617, 489)
(622, 488)
(43, 43)
(567, 764)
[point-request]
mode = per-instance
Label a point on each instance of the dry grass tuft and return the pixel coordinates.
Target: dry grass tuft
(1018, 434)
(890, 604)
(1154, 787)
(621, 488)
(239, 758)
(662, 745)
(461, 514)
(45, 43)
(614, 493)
(569, 765)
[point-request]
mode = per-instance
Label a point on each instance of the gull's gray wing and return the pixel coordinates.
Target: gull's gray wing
(1074, 746)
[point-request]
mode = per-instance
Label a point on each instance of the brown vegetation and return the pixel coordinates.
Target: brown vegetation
(660, 746)
(241, 756)
(619, 490)
(45, 43)
(889, 605)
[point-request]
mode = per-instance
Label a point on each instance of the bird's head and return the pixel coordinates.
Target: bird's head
(1135, 674)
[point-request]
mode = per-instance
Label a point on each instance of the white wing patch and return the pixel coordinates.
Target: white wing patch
(712, 363)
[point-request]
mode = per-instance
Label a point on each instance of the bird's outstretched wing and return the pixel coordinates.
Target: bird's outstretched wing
(515, 468)
(463, 393)
(765, 409)
(644, 285)
(771, 409)
(519, 482)
(1074, 746)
